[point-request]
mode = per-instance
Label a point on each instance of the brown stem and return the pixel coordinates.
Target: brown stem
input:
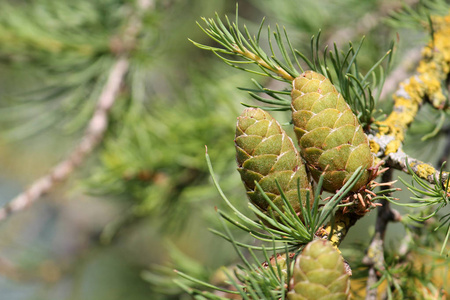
(375, 253)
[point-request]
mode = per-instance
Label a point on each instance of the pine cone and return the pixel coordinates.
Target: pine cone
(330, 137)
(264, 154)
(319, 274)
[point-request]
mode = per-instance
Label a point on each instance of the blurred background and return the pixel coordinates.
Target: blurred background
(142, 202)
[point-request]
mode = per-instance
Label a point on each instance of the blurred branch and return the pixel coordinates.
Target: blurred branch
(411, 58)
(446, 151)
(425, 86)
(375, 254)
(9, 270)
(97, 125)
(366, 23)
(93, 135)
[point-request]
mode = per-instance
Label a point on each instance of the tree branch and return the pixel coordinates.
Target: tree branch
(336, 230)
(424, 170)
(366, 23)
(403, 70)
(93, 135)
(375, 254)
(425, 85)
(97, 125)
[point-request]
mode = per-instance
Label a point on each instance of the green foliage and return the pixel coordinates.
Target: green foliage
(65, 50)
(282, 62)
(71, 47)
(67, 43)
(171, 178)
(416, 271)
(287, 226)
(431, 198)
(339, 66)
(152, 157)
(419, 16)
(257, 280)
(161, 277)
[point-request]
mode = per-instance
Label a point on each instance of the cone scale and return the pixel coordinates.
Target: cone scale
(331, 140)
(265, 154)
(319, 274)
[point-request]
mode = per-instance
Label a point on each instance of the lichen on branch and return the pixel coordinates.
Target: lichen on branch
(426, 85)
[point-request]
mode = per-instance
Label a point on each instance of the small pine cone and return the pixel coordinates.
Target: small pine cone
(264, 154)
(331, 140)
(319, 274)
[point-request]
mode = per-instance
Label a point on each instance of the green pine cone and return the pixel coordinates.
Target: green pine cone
(331, 140)
(319, 274)
(265, 153)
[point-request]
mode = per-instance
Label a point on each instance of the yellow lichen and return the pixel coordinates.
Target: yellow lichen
(397, 122)
(431, 73)
(423, 170)
(392, 147)
(374, 147)
(383, 128)
(432, 83)
(415, 90)
(339, 229)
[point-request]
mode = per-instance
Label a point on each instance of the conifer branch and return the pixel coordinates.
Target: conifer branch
(245, 46)
(386, 139)
(427, 84)
(340, 67)
(336, 230)
(401, 161)
(97, 125)
(375, 254)
(93, 136)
